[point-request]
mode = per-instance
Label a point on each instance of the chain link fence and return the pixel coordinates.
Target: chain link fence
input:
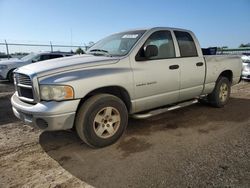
(234, 51)
(17, 50)
(14, 49)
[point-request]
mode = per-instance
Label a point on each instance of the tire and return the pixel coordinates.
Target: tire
(221, 93)
(10, 76)
(101, 120)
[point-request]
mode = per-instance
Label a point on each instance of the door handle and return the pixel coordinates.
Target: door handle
(172, 67)
(199, 64)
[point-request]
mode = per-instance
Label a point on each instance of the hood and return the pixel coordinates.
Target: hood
(54, 66)
(10, 61)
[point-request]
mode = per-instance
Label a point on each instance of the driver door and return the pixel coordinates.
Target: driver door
(156, 78)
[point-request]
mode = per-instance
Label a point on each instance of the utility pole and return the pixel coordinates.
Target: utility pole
(51, 47)
(7, 49)
(71, 38)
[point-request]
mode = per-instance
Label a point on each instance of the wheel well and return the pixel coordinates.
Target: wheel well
(9, 72)
(113, 90)
(228, 74)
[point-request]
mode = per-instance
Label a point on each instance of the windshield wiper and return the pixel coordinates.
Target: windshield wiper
(100, 52)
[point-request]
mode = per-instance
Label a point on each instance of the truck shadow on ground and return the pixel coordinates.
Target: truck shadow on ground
(105, 167)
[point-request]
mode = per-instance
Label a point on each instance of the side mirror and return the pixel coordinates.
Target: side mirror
(150, 51)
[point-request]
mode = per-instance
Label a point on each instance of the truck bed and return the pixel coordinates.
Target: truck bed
(215, 64)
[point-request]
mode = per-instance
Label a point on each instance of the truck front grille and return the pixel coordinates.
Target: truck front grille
(23, 79)
(26, 92)
(24, 87)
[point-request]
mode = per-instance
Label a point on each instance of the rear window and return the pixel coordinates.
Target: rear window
(186, 44)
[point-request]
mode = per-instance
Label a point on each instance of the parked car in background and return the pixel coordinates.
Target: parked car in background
(246, 67)
(7, 66)
(4, 56)
(140, 73)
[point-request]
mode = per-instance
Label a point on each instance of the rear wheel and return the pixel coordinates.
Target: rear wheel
(101, 120)
(220, 96)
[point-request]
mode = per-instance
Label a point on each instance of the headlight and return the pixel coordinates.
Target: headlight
(3, 66)
(55, 92)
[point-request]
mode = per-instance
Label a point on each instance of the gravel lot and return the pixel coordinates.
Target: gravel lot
(197, 146)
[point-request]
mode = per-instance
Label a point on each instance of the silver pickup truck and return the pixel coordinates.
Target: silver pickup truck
(140, 73)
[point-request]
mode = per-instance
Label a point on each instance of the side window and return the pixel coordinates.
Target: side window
(36, 59)
(163, 41)
(52, 56)
(44, 57)
(186, 44)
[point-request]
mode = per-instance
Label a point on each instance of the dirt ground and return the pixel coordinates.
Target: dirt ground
(197, 146)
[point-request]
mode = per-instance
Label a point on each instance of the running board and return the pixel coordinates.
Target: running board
(162, 110)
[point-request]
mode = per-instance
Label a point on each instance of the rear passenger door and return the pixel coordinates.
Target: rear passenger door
(192, 66)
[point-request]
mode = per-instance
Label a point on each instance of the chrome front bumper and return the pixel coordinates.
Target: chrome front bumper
(47, 116)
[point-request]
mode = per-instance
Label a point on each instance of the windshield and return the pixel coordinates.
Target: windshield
(116, 45)
(28, 57)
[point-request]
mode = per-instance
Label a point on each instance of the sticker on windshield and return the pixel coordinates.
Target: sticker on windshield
(130, 36)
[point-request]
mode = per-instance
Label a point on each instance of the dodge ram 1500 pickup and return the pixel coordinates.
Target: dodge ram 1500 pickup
(138, 73)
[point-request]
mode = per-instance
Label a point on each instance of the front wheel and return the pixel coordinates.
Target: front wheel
(220, 96)
(101, 120)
